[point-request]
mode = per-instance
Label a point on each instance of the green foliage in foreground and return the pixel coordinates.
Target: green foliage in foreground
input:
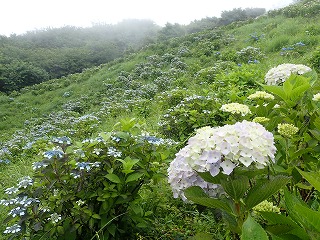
(88, 190)
(174, 87)
(297, 148)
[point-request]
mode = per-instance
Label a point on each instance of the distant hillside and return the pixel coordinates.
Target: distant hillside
(179, 62)
(52, 53)
(40, 55)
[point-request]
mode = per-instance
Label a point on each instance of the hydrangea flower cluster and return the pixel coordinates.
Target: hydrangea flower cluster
(316, 97)
(21, 200)
(287, 130)
(260, 119)
(282, 72)
(218, 150)
(80, 202)
(5, 161)
(25, 182)
(38, 165)
(113, 152)
(56, 153)
(87, 165)
(153, 140)
(62, 140)
(266, 206)
(55, 218)
(236, 108)
(11, 190)
(13, 229)
(17, 211)
(261, 95)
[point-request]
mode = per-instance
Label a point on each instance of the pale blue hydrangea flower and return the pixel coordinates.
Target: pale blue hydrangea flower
(53, 154)
(11, 190)
(83, 166)
(113, 152)
(87, 165)
(62, 140)
(218, 150)
(116, 139)
(9, 202)
(13, 229)
(17, 211)
(153, 140)
(75, 175)
(38, 165)
(26, 202)
(5, 161)
(25, 182)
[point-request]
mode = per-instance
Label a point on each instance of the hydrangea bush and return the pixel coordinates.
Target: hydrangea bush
(192, 112)
(241, 168)
(87, 190)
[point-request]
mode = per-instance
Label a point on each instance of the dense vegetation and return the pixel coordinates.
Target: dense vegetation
(96, 145)
(53, 53)
(40, 55)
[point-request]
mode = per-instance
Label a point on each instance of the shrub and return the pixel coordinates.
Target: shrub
(225, 167)
(209, 74)
(87, 189)
(315, 59)
(250, 54)
(180, 121)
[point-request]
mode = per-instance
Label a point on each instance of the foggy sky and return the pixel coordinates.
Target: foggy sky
(19, 16)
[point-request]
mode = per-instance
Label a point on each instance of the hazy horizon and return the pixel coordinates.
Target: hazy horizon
(20, 16)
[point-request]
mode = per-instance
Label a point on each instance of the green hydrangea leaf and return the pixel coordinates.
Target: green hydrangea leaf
(251, 230)
(197, 195)
(134, 177)
(312, 177)
(113, 178)
(262, 192)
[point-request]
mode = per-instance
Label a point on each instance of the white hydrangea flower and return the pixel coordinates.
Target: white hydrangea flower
(282, 72)
(220, 149)
(260, 119)
(54, 218)
(182, 176)
(287, 129)
(261, 95)
(80, 202)
(266, 206)
(316, 97)
(236, 108)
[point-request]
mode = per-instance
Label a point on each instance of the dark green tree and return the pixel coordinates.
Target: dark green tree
(18, 74)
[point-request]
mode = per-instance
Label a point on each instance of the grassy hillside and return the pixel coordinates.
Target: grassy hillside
(172, 87)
